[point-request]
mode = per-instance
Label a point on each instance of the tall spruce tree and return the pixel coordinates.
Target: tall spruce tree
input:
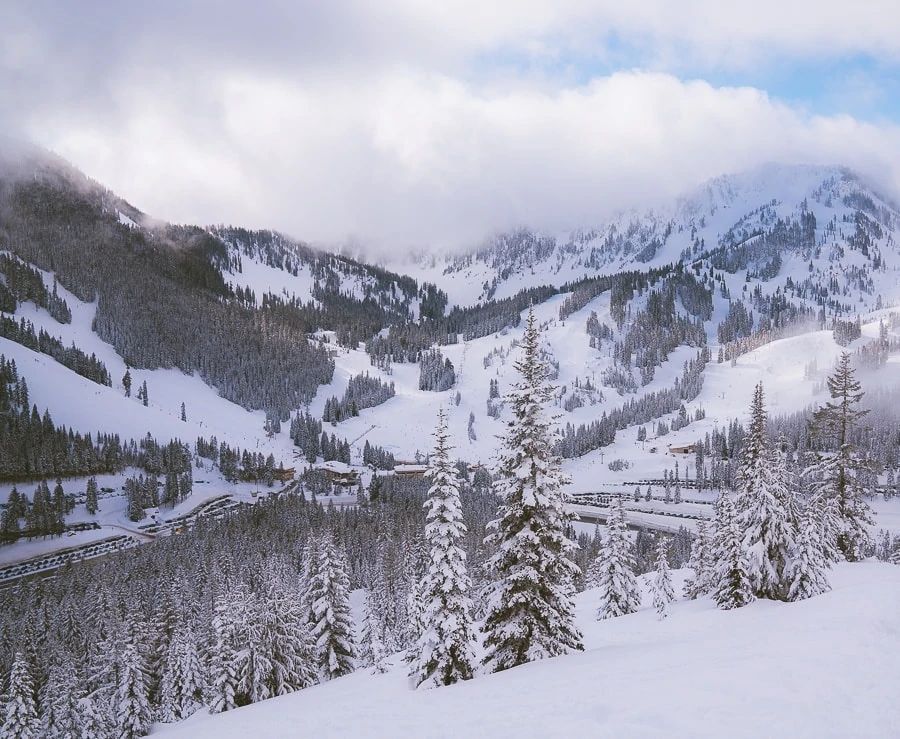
(286, 638)
(21, 717)
(765, 508)
(182, 679)
(330, 620)
(132, 702)
(91, 503)
(223, 677)
(839, 471)
(702, 562)
(809, 568)
(445, 647)
(59, 700)
(416, 623)
(531, 614)
(732, 585)
(370, 644)
(661, 585)
(620, 593)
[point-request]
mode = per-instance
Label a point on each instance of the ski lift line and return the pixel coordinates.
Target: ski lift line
(371, 428)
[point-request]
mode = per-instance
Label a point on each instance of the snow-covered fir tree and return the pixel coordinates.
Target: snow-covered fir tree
(702, 562)
(840, 470)
(97, 710)
(661, 584)
(620, 593)
(530, 613)
(132, 707)
(390, 593)
(765, 507)
(286, 637)
(20, 720)
(91, 504)
(93, 719)
(181, 690)
(223, 678)
(810, 564)
(444, 652)
(732, 585)
(330, 620)
(415, 616)
(60, 700)
(370, 644)
(253, 662)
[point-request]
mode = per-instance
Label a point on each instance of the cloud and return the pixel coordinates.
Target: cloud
(376, 121)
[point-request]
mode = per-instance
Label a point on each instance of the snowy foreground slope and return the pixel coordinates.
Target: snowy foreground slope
(824, 667)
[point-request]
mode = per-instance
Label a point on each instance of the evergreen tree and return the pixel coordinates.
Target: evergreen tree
(60, 505)
(702, 562)
(181, 688)
(223, 676)
(145, 397)
(9, 519)
(840, 471)
(732, 584)
(287, 639)
(21, 718)
(126, 382)
(661, 585)
(60, 715)
(98, 709)
(530, 614)
(331, 623)
(183, 412)
(416, 624)
(370, 643)
(133, 714)
(766, 509)
(444, 653)
(810, 564)
(253, 663)
(93, 719)
(620, 593)
(91, 503)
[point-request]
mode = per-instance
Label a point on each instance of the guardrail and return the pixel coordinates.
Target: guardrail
(61, 557)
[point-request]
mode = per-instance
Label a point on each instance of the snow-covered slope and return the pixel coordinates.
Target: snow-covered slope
(819, 668)
(85, 406)
(404, 424)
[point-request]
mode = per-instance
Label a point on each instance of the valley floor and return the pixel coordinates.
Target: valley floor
(825, 667)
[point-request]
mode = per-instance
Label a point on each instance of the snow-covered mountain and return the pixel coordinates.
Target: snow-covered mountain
(769, 254)
(721, 216)
(256, 348)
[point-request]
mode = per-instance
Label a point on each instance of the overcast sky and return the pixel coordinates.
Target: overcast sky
(411, 124)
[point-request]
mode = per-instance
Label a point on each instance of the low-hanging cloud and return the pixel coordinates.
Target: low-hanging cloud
(353, 128)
